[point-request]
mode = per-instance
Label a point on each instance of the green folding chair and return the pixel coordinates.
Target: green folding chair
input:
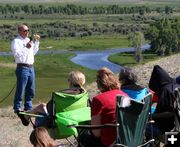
(131, 120)
(67, 109)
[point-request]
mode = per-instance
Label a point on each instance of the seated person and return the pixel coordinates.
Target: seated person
(103, 107)
(129, 84)
(40, 137)
(76, 80)
(163, 85)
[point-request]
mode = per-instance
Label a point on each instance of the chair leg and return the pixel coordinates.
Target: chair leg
(70, 142)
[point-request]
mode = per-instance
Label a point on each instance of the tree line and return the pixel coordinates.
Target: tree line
(164, 36)
(71, 9)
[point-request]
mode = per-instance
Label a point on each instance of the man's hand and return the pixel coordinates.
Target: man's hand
(36, 37)
(28, 45)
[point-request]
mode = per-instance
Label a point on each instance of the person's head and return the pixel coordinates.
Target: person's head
(127, 77)
(76, 79)
(23, 30)
(159, 78)
(106, 80)
(40, 138)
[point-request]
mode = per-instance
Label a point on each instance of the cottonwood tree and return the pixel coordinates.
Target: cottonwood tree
(164, 36)
(137, 40)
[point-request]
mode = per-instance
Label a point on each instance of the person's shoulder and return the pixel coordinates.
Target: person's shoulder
(17, 38)
(120, 92)
(74, 91)
(112, 92)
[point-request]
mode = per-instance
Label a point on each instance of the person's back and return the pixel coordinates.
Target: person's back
(163, 85)
(103, 106)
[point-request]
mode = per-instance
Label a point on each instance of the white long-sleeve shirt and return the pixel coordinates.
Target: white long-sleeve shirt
(21, 53)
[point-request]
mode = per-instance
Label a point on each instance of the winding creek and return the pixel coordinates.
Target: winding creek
(90, 59)
(97, 59)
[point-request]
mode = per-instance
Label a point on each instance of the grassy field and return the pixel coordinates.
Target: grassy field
(51, 75)
(127, 59)
(84, 43)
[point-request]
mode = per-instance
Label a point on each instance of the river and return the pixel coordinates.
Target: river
(97, 59)
(91, 59)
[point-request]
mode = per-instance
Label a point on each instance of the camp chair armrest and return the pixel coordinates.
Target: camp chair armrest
(146, 143)
(93, 126)
(32, 114)
(163, 115)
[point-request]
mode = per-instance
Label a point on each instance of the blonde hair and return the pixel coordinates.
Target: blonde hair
(106, 80)
(76, 79)
(40, 138)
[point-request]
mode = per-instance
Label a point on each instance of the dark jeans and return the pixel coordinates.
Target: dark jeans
(87, 139)
(152, 131)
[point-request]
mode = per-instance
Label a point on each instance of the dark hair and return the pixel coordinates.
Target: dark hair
(127, 76)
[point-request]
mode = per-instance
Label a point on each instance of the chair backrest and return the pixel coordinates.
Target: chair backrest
(132, 118)
(67, 108)
(66, 102)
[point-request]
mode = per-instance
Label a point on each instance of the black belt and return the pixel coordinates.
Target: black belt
(24, 65)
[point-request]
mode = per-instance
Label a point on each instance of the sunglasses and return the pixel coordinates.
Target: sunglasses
(26, 31)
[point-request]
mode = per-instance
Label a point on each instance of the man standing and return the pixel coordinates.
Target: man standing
(24, 49)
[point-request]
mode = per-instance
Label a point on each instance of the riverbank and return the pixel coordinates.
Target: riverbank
(14, 134)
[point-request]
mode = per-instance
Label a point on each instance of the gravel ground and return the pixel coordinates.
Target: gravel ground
(14, 134)
(170, 64)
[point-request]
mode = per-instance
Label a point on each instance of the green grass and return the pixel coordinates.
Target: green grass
(84, 43)
(127, 59)
(51, 75)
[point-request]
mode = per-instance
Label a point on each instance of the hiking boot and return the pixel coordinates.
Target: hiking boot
(24, 121)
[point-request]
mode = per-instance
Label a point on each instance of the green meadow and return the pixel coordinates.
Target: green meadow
(51, 75)
(52, 70)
